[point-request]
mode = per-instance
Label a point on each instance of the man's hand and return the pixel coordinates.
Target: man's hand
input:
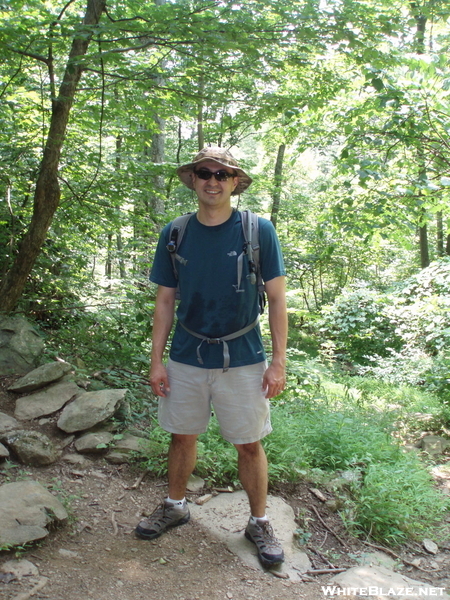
(159, 379)
(274, 380)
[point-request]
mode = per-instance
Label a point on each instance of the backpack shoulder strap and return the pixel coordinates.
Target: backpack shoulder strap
(177, 229)
(250, 228)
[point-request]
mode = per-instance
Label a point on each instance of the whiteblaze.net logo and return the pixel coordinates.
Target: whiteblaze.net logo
(378, 592)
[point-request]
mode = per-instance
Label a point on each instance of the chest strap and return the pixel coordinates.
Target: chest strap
(220, 340)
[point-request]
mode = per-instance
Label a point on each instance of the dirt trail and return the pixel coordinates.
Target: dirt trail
(96, 555)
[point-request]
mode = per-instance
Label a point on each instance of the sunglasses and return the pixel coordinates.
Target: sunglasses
(220, 175)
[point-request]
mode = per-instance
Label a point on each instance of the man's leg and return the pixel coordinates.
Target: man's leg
(174, 510)
(252, 466)
(182, 459)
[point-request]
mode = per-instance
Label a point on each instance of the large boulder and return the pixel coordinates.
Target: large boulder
(4, 453)
(46, 402)
(7, 423)
(31, 447)
(21, 347)
(90, 409)
(26, 511)
(40, 377)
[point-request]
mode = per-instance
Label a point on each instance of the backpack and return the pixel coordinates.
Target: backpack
(251, 249)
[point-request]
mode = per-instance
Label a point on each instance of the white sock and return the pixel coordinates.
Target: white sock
(253, 520)
(176, 502)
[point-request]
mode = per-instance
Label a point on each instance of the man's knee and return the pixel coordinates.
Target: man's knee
(249, 451)
(180, 441)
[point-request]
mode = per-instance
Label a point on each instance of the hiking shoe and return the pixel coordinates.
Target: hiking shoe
(269, 548)
(163, 518)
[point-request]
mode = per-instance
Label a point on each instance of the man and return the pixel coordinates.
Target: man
(215, 302)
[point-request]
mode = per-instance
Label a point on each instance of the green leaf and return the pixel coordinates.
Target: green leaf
(377, 84)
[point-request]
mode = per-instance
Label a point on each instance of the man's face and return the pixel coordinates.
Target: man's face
(213, 192)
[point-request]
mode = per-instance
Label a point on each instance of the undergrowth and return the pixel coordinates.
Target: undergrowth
(332, 428)
(324, 423)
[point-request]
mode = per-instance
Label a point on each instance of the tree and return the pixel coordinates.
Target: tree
(277, 184)
(47, 191)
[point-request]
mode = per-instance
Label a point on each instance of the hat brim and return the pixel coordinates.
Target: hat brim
(185, 174)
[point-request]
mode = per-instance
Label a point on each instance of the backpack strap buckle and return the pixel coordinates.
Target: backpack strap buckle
(171, 246)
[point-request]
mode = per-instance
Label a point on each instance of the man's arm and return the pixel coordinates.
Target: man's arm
(275, 376)
(162, 324)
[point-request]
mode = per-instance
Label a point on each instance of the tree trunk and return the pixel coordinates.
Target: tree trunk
(122, 269)
(423, 242)
(119, 241)
(157, 158)
(421, 21)
(200, 132)
(277, 185)
(158, 149)
(47, 193)
(108, 264)
(440, 234)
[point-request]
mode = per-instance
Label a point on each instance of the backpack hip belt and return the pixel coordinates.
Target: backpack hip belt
(220, 340)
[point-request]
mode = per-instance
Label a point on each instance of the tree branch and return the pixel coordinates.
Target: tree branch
(38, 57)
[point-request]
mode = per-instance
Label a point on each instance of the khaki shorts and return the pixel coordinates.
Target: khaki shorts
(236, 396)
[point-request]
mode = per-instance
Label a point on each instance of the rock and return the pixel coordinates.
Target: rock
(376, 559)
(434, 444)
(19, 568)
(195, 483)
(334, 504)
(21, 347)
(378, 582)
(7, 423)
(345, 480)
(430, 546)
(31, 447)
(352, 476)
(67, 441)
(89, 442)
(89, 409)
(40, 377)
(76, 459)
(67, 553)
(4, 453)
(226, 516)
(137, 432)
(26, 510)
(46, 402)
(123, 449)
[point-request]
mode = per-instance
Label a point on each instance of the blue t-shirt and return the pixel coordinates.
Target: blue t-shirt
(211, 303)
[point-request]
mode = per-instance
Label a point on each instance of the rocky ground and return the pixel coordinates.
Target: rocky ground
(96, 555)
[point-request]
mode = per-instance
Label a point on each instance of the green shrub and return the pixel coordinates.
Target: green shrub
(344, 440)
(409, 366)
(437, 379)
(360, 324)
(423, 308)
(396, 501)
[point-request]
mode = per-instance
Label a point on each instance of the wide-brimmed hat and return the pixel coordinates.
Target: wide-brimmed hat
(218, 155)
